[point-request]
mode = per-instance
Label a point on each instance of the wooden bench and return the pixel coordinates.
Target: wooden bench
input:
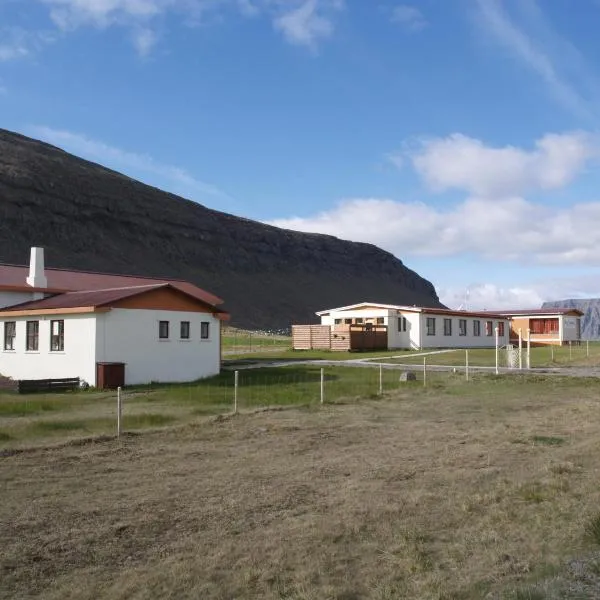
(30, 386)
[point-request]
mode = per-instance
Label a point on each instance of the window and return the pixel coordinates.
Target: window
(337, 321)
(348, 321)
(57, 336)
(184, 330)
(401, 323)
(430, 325)
(447, 326)
(476, 328)
(163, 330)
(204, 330)
(380, 320)
(541, 326)
(500, 328)
(358, 320)
(10, 332)
(33, 331)
(462, 327)
(489, 328)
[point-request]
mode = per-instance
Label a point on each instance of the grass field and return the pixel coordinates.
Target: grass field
(454, 491)
(28, 419)
(243, 341)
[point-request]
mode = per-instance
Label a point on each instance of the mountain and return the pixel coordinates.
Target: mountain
(590, 307)
(88, 217)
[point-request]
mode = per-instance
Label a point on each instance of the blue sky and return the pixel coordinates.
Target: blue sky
(460, 135)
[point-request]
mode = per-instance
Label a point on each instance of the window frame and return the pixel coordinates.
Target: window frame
(13, 337)
(476, 327)
(32, 340)
(205, 330)
(447, 326)
(60, 336)
(184, 325)
(337, 321)
(501, 328)
(430, 325)
(489, 328)
(380, 320)
(462, 327)
(163, 327)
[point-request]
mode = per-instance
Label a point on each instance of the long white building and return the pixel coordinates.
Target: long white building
(413, 327)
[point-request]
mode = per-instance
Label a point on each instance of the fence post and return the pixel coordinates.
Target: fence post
(119, 411)
(497, 331)
(570, 351)
(236, 380)
(552, 351)
(528, 348)
(322, 385)
(520, 349)
(467, 365)
(381, 380)
(587, 348)
(424, 371)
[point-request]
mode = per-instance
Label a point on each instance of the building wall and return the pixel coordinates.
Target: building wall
(131, 336)
(409, 339)
(12, 298)
(570, 328)
(77, 359)
(439, 340)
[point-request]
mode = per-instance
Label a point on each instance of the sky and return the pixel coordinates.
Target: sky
(462, 136)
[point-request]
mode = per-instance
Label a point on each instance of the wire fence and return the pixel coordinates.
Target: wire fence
(29, 419)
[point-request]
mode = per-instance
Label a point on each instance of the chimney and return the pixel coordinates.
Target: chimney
(37, 278)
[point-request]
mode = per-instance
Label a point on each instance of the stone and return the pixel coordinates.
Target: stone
(408, 376)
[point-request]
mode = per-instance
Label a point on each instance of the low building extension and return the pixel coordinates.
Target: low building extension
(57, 323)
(557, 326)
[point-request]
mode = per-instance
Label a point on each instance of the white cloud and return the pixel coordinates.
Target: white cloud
(539, 48)
(144, 40)
(491, 296)
(410, 17)
(464, 163)
(119, 159)
(304, 25)
(17, 43)
(302, 22)
(512, 229)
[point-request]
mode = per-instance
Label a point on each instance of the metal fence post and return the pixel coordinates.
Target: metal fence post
(587, 348)
(424, 371)
(381, 380)
(236, 380)
(497, 331)
(467, 365)
(119, 411)
(570, 351)
(528, 348)
(322, 385)
(520, 349)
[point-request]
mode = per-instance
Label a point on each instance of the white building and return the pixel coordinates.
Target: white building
(165, 331)
(412, 327)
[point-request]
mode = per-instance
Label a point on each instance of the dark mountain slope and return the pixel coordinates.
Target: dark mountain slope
(90, 218)
(590, 307)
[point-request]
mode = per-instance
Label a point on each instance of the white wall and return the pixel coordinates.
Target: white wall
(77, 360)
(408, 339)
(439, 340)
(131, 336)
(12, 298)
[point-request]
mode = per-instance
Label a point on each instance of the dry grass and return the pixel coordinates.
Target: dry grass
(450, 493)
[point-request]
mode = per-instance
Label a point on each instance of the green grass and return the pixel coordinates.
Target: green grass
(44, 426)
(301, 355)
(548, 440)
(593, 529)
(145, 420)
(18, 408)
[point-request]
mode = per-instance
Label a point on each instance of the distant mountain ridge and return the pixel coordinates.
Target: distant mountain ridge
(590, 307)
(88, 217)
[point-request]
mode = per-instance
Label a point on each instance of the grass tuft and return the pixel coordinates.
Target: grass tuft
(4, 437)
(24, 408)
(547, 440)
(528, 593)
(146, 420)
(593, 529)
(59, 425)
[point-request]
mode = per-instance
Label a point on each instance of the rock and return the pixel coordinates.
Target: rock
(408, 376)
(88, 217)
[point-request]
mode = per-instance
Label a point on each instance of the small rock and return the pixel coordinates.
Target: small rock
(408, 376)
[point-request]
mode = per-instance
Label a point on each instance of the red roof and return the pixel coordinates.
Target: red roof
(93, 298)
(14, 277)
(537, 311)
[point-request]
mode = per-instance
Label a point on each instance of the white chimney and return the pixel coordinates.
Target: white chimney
(37, 277)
